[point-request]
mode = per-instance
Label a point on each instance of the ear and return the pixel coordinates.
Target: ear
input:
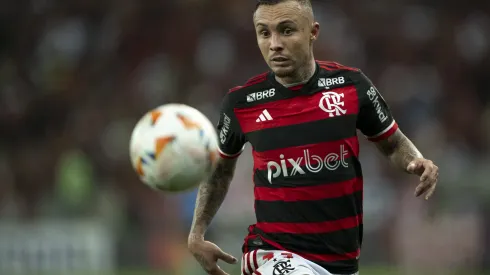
(315, 31)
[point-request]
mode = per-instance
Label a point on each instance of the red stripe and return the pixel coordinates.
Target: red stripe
(329, 152)
(385, 135)
(327, 68)
(228, 156)
(337, 68)
(310, 228)
(318, 257)
(257, 273)
(336, 65)
(299, 110)
(243, 264)
(307, 193)
(297, 87)
(235, 89)
(259, 76)
(254, 257)
(254, 80)
(249, 265)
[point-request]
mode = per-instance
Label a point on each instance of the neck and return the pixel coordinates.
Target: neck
(301, 76)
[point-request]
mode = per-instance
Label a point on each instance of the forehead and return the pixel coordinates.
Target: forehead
(285, 11)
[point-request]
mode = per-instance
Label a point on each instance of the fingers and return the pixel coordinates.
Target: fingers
(435, 173)
(207, 254)
(226, 257)
(421, 189)
(434, 177)
(430, 192)
(425, 183)
(426, 175)
(428, 180)
(216, 270)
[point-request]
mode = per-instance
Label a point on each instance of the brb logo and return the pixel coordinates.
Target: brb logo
(307, 163)
(332, 103)
(261, 95)
(327, 82)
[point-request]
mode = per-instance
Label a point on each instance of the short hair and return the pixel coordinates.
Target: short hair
(306, 3)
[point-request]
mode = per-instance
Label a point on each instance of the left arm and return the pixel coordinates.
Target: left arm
(399, 150)
(377, 123)
(403, 154)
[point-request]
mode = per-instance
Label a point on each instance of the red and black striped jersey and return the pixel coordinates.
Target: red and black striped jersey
(308, 184)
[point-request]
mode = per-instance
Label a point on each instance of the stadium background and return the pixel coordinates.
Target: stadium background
(76, 75)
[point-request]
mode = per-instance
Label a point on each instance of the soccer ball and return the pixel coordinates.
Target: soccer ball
(173, 148)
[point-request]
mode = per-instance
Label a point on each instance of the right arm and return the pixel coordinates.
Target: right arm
(213, 192)
(210, 197)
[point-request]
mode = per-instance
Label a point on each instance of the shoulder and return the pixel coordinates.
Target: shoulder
(334, 75)
(254, 84)
(335, 66)
(251, 83)
(352, 75)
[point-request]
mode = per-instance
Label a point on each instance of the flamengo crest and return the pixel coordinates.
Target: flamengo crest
(332, 103)
(282, 268)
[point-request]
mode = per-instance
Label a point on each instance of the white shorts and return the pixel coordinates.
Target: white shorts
(279, 262)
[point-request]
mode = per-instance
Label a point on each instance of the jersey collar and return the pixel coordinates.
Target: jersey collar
(310, 87)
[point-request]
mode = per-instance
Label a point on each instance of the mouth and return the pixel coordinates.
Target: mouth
(279, 59)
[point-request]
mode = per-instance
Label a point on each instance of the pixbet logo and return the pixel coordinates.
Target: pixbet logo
(307, 163)
(332, 103)
(261, 95)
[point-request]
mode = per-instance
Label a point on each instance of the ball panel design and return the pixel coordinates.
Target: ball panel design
(173, 148)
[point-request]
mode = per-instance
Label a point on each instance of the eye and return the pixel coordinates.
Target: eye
(288, 31)
(264, 33)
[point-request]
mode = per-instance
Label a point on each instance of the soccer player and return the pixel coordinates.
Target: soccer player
(301, 119)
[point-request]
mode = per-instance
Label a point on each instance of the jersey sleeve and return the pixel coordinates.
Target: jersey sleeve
(231, 139)
(375, 120)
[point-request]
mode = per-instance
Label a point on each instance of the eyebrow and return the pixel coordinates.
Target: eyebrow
(287, 21)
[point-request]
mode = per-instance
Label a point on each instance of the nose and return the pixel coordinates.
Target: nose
(276, 43)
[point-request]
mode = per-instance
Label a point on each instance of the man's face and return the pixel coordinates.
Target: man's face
(285, 33)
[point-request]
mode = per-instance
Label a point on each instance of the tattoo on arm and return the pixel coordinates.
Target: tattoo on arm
(211, 195)
(399, 149)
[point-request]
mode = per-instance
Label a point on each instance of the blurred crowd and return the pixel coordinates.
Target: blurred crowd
(76, 75)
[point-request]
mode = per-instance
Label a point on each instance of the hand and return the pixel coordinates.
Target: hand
(207, 254)
(429, 175)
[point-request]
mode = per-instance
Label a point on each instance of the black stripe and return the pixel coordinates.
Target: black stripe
(324, 130)
(309, 211)
(335, 243)
(324, 176)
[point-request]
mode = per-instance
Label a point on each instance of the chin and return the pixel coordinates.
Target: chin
(283, 71)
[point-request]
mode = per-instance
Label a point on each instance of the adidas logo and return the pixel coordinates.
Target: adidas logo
(264, 116)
